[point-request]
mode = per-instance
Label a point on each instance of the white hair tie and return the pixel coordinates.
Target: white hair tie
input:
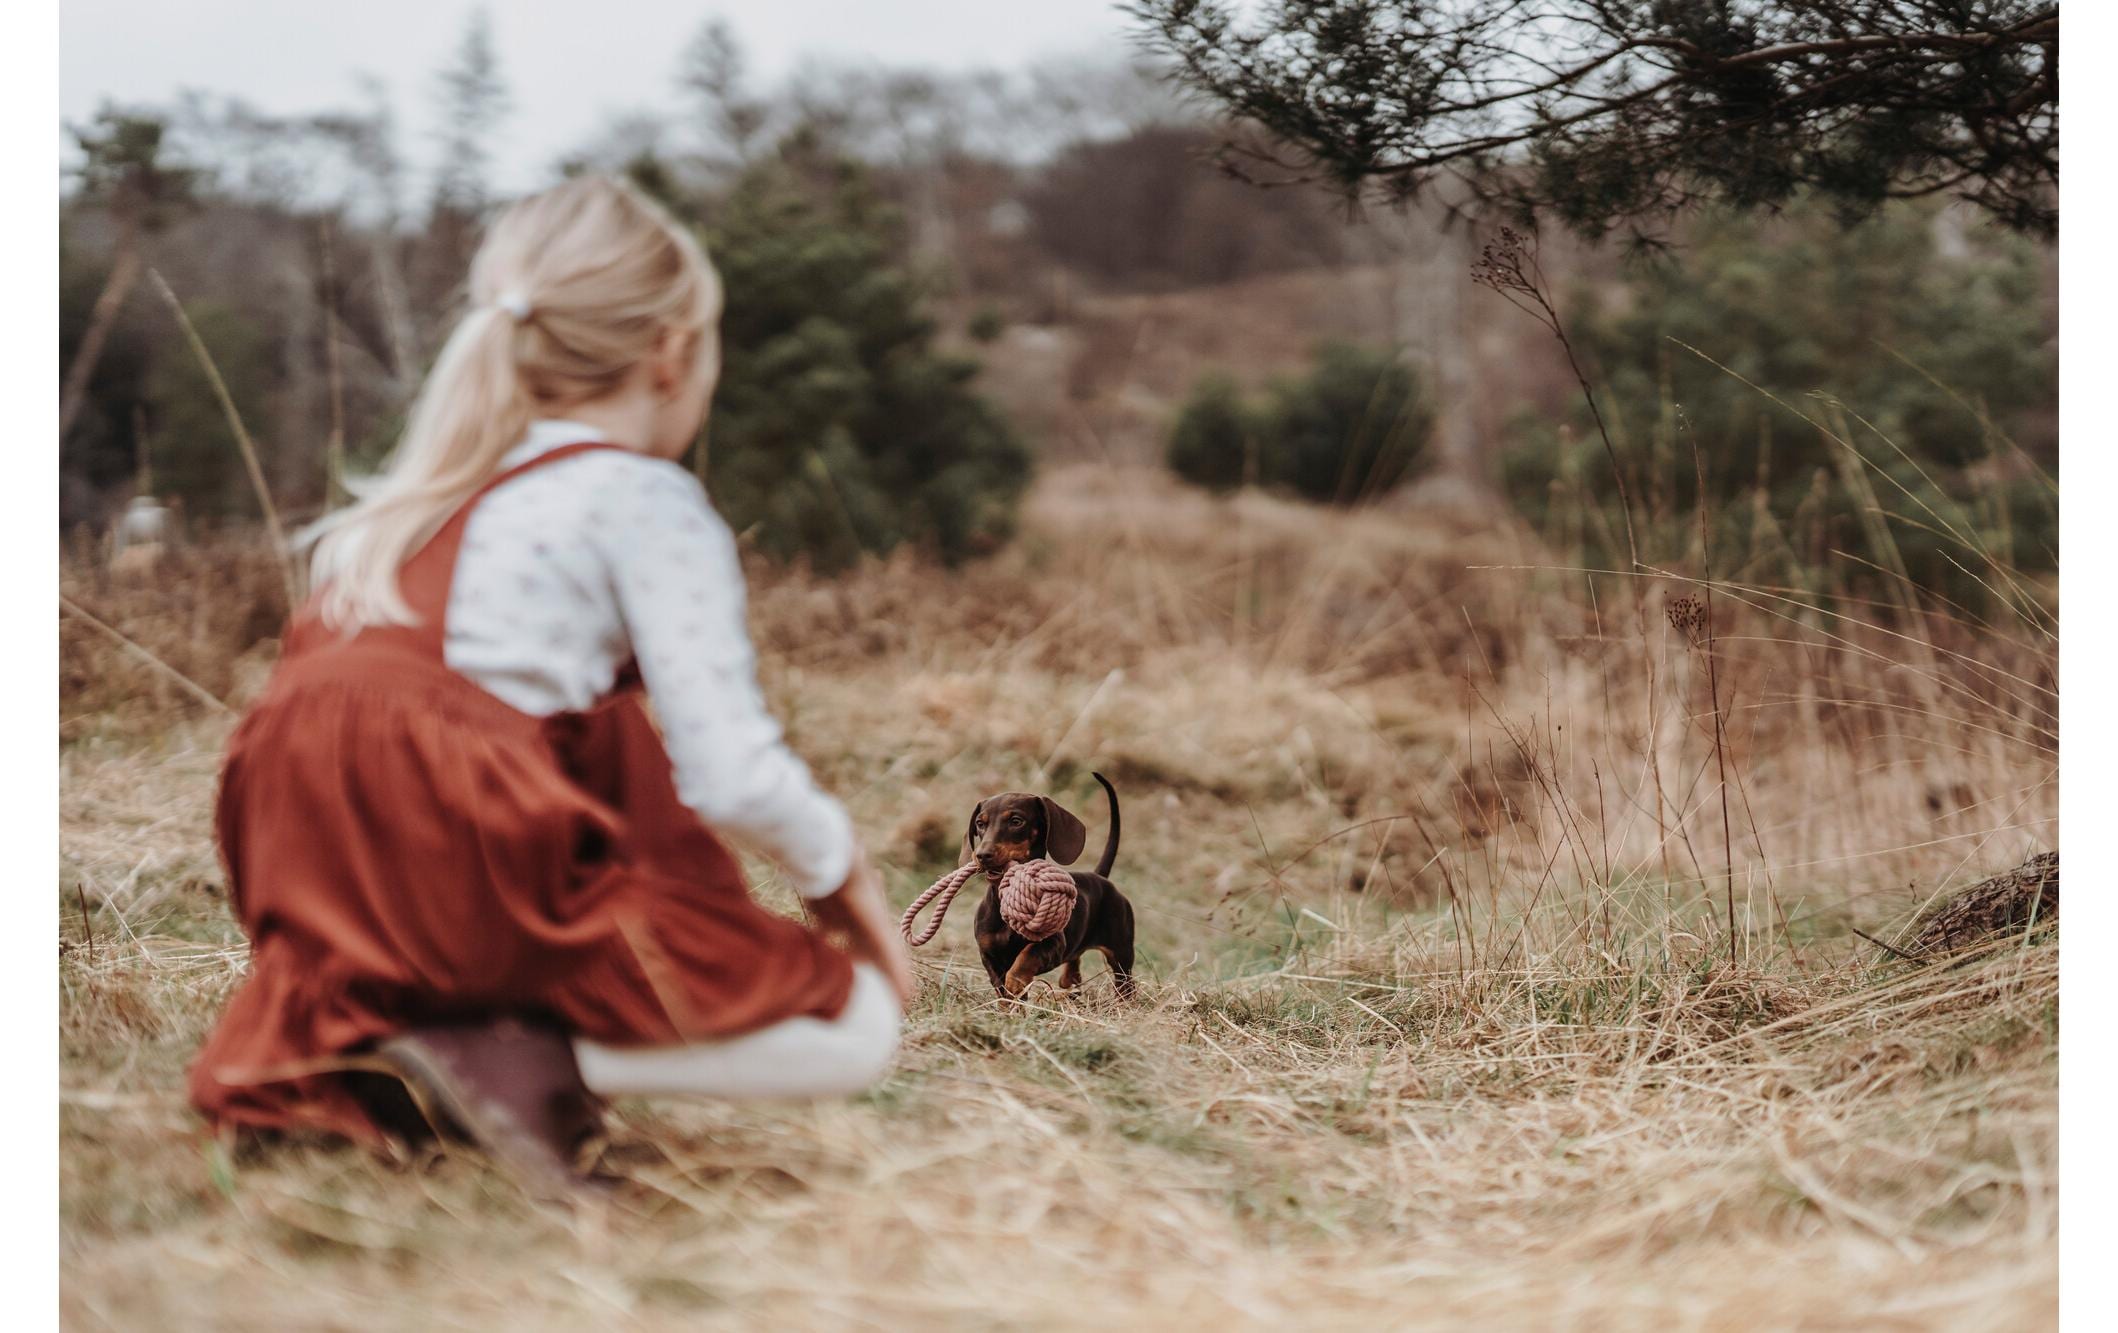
(515, 304)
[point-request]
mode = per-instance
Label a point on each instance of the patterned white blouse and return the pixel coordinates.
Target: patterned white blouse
(571, 569)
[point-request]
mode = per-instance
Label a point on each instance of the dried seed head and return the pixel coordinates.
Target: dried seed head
(1687, 616)
(1503, 264)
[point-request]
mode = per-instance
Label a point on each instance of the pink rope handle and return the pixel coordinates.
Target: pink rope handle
(946, 886)
(1036, 900)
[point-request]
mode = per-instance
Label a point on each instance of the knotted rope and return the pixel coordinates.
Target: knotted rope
(1036, 898)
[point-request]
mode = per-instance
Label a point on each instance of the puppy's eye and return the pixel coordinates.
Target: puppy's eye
(1014, 821)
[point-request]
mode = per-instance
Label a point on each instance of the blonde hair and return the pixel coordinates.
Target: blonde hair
(570, 290)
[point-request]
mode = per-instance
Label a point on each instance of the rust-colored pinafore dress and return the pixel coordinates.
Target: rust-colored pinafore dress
(403, 847)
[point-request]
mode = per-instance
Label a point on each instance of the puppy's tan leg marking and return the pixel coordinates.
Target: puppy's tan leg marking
(1071, 977)
(1021, 973)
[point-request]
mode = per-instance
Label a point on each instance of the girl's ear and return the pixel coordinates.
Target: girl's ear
(970, 835)
(669, 365)
(1064, 836)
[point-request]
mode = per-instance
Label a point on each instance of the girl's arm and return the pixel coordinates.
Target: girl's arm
(679, 587)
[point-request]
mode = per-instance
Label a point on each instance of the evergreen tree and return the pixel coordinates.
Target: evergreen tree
(838, 427)
(474, 102)
(1608, 112)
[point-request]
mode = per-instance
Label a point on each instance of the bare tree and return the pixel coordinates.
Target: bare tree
(370, 144)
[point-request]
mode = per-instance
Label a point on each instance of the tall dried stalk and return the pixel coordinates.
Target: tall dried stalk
(335, 444)
(1509, 266)
(192, 687)
(1713, 691)
(274, 531)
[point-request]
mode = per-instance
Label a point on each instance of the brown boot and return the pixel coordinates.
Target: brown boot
(511, 1087)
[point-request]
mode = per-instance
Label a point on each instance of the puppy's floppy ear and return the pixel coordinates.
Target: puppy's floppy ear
(1064, 836)
(970, 835)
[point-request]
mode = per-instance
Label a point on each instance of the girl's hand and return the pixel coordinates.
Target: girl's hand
(858, 910)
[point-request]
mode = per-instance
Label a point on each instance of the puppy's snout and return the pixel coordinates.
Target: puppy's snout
(989, 859)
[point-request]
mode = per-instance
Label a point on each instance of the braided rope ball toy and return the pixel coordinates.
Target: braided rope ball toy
(1036, 898)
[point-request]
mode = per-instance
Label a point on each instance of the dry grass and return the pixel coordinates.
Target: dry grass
(1441, 1018)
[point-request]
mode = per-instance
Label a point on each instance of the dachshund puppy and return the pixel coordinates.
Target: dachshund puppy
(1015, 827)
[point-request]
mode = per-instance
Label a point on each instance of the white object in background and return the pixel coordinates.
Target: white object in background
(139, 535)
(144, 522)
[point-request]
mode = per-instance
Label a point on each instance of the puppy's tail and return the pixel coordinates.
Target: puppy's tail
(1110, 844)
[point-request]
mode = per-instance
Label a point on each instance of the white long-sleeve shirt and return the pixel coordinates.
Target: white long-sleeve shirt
(573, 568)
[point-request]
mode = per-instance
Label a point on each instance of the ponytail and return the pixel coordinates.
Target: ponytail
(570, 290)
(471, 409)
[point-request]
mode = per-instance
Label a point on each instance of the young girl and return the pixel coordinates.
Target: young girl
(458, 844)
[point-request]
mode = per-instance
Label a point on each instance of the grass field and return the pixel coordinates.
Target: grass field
(1442, 1016)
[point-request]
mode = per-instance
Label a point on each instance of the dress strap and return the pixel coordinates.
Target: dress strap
(427, 577)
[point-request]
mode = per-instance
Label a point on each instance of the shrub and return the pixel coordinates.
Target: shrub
(1843, 529)
(1354, 426)
(1800, 304)
(1936, 342)
(1211, 444)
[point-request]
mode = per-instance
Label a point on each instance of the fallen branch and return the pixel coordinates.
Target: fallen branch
(1886, 948)
(198, 691)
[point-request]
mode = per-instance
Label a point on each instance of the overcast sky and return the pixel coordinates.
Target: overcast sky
(571, 65)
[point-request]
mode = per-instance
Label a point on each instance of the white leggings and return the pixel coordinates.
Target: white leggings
(796, 1057)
